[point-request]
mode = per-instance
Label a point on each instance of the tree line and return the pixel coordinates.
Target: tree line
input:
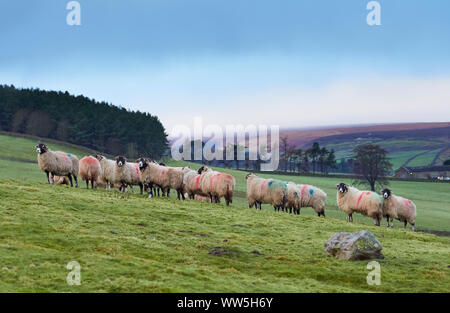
(311, 160)
(79, 120)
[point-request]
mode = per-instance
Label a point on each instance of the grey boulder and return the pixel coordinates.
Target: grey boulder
(362, 245)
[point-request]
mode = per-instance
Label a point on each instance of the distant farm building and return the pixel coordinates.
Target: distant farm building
(424, 172)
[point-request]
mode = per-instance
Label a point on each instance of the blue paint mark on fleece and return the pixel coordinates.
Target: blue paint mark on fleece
(277, 182)
(311, 192)
(69, 155)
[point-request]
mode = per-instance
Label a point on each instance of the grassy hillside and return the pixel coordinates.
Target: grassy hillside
(432, 199)
(136, 244)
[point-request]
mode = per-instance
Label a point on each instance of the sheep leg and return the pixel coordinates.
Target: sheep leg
(70, 179)
(87, 183)
(392, 222)
(376, 220)
(182, 194)
(53, 178)
(387, 218)
(405, 223)
(76, 181)
(413, 228)
(150, 190)
(142, 188)
(350, 217)
(48, 177)
(92, 184)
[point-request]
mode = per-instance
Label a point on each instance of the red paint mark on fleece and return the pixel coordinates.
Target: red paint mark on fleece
(90, 160)
(136, 167)
(211, 180)
(304, 190)
(360, 197)
(262, 185)
(407, 204)
(64, 155)
(197, 181)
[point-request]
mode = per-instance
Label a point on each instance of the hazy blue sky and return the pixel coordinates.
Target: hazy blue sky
(287, 62)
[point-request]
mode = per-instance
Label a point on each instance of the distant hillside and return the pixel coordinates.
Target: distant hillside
(413, 147)
(302, 137)
(82, 121)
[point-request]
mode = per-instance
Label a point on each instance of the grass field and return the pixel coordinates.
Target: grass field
(131, 243)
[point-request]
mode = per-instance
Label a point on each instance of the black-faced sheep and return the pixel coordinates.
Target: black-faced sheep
(57, 163)
(191, 183)
(152, 174)
(368, 203)
(127, 174)
(399, 208)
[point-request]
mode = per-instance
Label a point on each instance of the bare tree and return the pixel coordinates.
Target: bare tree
(284, 150)
(372, 165)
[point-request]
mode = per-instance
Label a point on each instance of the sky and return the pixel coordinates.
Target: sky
(290, 63)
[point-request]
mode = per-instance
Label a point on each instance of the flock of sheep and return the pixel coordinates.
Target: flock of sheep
(209, 185)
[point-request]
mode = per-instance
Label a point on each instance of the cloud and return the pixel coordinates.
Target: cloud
(358, 101)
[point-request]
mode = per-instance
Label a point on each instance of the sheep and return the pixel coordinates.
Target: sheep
(216, 185)
(60, 180)
(314, 197)
(202, 198)
(191, 183)
(108, 167)
(90, 170)
(127, 174)
(293, 200)
(151, 173)
(260, 190)
(368, 203)
(57, 163)
(399, 208)
(175, 175)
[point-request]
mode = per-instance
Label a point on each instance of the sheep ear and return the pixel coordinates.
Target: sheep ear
(337, 185)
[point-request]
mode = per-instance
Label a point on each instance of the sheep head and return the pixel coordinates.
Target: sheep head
(41, 148)
(386, 193)
(248, 175)
(142, 162)
(120, 161)
(99, 157)
(342, 188)
(202, 169)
